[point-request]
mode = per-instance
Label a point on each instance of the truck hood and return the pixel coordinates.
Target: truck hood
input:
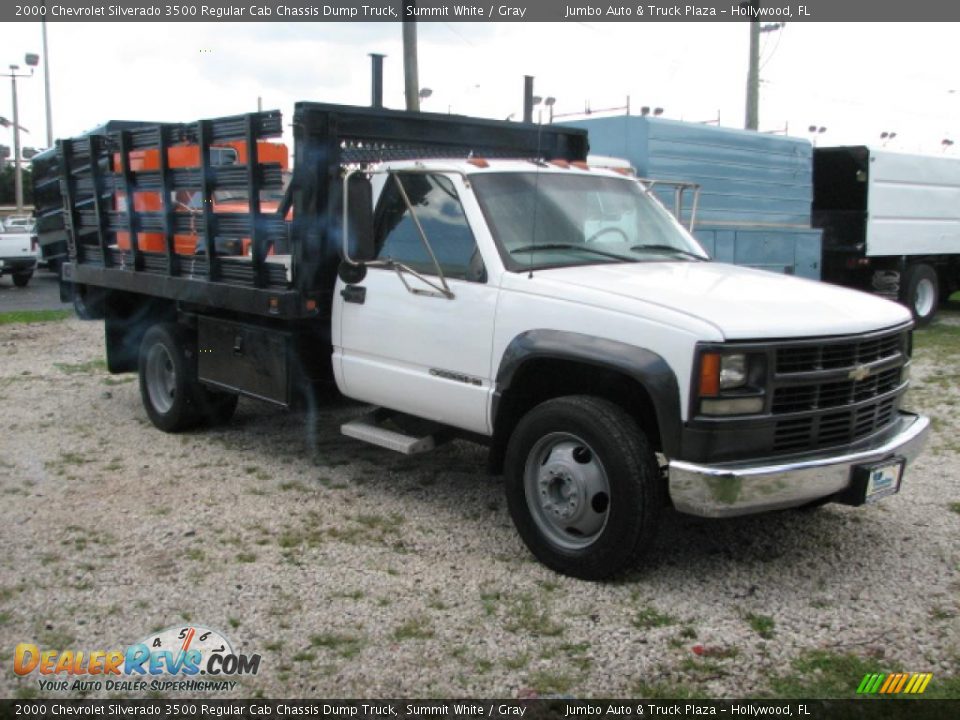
(742, 303)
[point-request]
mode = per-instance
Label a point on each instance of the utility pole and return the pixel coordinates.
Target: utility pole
(46, 82)
(752, 116)
(31, 59)
(411, 77)
(528, 98)
(17, 169)
(752, 121)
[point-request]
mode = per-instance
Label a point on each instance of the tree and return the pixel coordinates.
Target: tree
(7, 190)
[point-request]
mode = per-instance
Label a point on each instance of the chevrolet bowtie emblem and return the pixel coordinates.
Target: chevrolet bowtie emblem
(860, 372)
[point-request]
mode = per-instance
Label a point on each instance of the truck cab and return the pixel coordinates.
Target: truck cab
(539, 304)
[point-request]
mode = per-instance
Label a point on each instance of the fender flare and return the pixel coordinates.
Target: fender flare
(644, 366)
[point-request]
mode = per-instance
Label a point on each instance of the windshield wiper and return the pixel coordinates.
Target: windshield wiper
(669, 248)
(569, 246)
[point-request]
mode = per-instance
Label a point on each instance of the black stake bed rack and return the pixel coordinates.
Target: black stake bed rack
(90, 173)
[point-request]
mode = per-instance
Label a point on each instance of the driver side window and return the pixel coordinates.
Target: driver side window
(437, 207)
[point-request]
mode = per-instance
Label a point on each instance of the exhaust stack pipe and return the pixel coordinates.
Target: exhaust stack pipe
(376, 66)
(528, 98)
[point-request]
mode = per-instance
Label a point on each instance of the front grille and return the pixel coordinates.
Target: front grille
(838, 354)
(797, 398)
(818, 398)
(835, 428)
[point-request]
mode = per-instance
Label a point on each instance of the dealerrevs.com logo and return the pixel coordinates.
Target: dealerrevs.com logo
(190, 659)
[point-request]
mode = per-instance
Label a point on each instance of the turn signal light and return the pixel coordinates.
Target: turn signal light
(709, 374)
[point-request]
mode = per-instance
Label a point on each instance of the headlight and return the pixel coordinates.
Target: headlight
(733, 371)
(731, 383)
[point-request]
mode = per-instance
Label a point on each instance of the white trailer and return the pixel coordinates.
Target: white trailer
(891, 223)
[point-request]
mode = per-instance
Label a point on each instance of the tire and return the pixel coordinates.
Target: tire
(920, 292)
(168, 386)
(591, 455)
(88, 303)
(21, 279)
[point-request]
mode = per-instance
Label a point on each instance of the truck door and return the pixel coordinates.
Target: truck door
(399, 341)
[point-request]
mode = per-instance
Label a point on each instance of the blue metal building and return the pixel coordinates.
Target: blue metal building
(756, 190)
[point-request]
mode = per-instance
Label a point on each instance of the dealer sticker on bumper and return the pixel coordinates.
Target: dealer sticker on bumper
(884, 480)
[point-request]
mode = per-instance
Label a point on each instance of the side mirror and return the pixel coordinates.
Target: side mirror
(359, 215)
(352, 274)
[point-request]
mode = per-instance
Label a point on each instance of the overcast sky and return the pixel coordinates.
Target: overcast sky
(856, 79)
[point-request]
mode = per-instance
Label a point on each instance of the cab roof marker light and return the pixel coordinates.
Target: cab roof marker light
(478, 162)
(560, 163)
(580, 164)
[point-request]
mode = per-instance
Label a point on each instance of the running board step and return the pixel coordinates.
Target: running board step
(370, 428)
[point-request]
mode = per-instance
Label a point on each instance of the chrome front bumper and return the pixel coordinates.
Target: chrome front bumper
(741, 489)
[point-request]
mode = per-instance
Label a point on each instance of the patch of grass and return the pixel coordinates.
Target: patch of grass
(418, 628)
(16, 317)
(517, 662)
(940, 613)
(664, 691)
(762, 625)
(527, 616)
(955, 507)
(549, 682)
(26, 692)
(119, 381)
(344, 645)
(823, 674)
(246, 557)
(943, 687)
(481, 666)
(233, 622)
(294, 485)
(649, 618)
(304, 656)
(196, 554)
(57, 639)
(98, 365)
(369, 529)
(490, 599)
(703, 669)
(939, 338)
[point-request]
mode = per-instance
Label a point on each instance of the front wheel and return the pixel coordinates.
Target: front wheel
(21, 279)
(583, 486)
(920, 292)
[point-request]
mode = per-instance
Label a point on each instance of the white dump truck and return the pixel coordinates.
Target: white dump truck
(473, 279)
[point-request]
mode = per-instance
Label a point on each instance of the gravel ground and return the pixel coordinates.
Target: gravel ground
(355, 572)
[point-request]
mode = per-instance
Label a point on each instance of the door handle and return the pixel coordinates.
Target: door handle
(354, 294)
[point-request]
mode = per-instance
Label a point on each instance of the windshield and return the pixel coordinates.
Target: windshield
(547, 220)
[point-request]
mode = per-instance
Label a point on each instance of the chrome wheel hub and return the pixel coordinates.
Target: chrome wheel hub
(161, 378)
(567, 490)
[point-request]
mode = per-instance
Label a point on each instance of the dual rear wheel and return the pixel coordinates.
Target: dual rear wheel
(172, 396)
(920, 291)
